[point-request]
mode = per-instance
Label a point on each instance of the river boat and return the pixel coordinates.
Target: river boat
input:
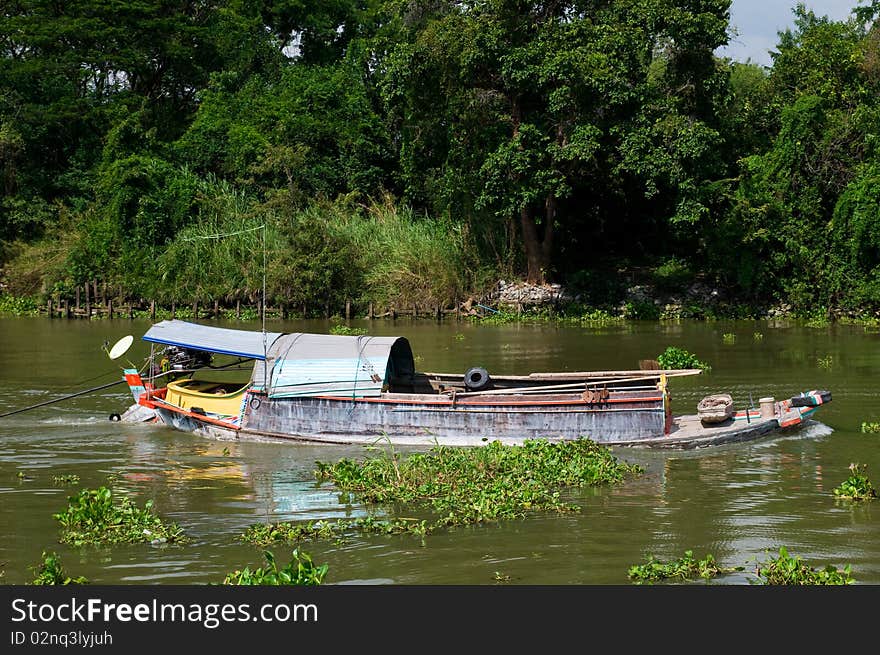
(340, 389)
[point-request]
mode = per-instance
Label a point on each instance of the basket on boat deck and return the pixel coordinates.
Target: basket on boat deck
(716, 408)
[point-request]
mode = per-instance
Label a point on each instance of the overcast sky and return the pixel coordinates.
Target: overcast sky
(758, 21)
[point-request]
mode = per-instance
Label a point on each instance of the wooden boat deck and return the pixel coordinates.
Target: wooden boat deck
(689, 432)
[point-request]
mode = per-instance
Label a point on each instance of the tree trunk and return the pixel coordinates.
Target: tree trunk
(534, 252)
(539, 251)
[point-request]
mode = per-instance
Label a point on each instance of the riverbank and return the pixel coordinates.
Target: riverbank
(549, 304)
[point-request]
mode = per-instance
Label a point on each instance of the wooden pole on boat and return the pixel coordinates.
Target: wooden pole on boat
(561, 387)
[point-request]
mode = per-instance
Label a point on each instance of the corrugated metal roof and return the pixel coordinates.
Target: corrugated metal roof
(302, 364)
(241, 343)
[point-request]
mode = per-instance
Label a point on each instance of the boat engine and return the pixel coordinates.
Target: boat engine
(477, 379)
(175, 358)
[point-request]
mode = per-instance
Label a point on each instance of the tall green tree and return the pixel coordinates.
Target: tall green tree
(534, 111)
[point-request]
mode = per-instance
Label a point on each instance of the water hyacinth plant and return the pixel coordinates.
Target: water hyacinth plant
(683, 568)
(50, 572)
(870, 428)
(300, 570)
(786, 569)
(857, 486)
(292, 533)
(347, 331)
(93, 517)
(457, 486)
(675, 358)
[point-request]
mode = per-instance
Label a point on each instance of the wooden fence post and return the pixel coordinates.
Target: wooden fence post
(173, 310)
(196, 310)
(370, 314)
(88, 302)
(49, 308)
(152, 310)
(66, 308)
(109, 309)
(238, 309)
(347, 310)
(77, 297)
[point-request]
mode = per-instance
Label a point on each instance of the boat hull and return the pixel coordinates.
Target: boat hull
(627, 418)
(430, 421)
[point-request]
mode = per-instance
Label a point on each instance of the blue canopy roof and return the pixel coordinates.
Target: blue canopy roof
(240, 343)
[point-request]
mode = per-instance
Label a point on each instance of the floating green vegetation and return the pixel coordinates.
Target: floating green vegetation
(792, 570)
(458, 486)
(300, 570)
(571, 314)
(24, 477)
(500, 577)
(826, 362)
(870, 427)
(69, 478)
(458, 337)
(50, 572)
(857, 486)
(758, 336)
(675, 358)
(683, 568)
(92, 517)
(348, 331)
(728, 338)
(292, 533)
(818, 321)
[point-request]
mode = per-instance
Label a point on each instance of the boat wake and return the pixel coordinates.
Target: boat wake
(811, 429)
(63, 420)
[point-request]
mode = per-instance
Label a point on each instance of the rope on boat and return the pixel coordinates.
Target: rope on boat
(58, 400)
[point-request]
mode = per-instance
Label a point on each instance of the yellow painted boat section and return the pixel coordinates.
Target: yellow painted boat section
(213, 397)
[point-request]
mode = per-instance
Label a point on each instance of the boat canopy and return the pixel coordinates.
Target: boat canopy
(240, 343)
(302, 364)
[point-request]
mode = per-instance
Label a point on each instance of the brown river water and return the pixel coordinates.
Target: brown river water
(739, 502)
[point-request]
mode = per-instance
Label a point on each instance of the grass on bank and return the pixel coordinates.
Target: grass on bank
(95, 517)
(457, 486)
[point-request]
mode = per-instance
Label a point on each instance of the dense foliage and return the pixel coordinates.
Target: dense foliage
(414, 152)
